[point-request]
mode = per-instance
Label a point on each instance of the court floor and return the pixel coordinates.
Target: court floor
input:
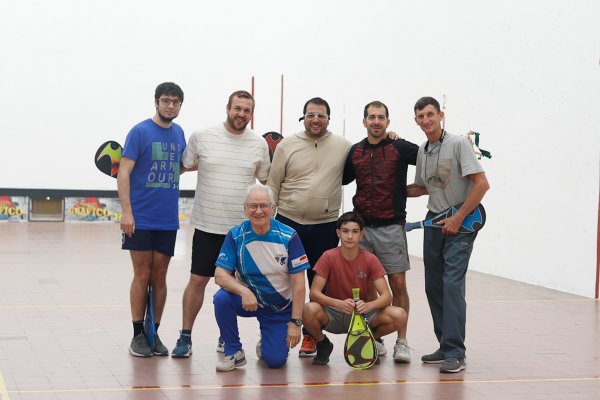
(65, 329)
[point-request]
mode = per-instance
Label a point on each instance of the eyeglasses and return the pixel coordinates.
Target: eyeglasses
(254, 207)
(435, 180)
(165, 102)
(320, 116)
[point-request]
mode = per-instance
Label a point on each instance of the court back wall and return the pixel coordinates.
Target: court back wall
(524, 74)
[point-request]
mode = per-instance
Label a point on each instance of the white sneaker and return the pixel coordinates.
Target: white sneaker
(259, 349)
(229, 363)
(381, 350)
(401, 351)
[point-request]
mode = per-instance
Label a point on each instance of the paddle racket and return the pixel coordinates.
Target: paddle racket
(273, 139)
(149, 327)
(360, 351)
(472, 222)
(107, 158)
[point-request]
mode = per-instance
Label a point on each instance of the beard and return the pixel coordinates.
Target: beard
(164, 118)
(233, 124)
(381, 132)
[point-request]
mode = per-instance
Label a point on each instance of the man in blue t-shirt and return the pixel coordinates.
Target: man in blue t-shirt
(148, 183)
(261, 273)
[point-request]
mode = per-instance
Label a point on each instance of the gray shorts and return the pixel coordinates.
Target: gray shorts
(339, 322)
(388, 243)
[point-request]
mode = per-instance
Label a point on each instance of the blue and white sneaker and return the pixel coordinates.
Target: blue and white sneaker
(183, 348)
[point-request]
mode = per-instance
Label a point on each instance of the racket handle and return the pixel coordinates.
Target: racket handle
(356, 294)
(409, 226)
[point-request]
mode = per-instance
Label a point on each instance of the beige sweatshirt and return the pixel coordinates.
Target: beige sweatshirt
(306, 177)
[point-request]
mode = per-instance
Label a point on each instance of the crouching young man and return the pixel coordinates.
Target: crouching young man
(268, 260)
(336, 273)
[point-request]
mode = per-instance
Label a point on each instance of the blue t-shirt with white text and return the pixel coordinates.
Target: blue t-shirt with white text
(154, 180)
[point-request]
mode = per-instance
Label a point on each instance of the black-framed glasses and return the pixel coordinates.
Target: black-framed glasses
(166, 102)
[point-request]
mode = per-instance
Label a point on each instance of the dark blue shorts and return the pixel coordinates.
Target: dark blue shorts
(151, 240)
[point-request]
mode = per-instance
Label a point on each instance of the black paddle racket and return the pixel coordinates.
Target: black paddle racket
(273, 139)
(472, 222)
(108, 157)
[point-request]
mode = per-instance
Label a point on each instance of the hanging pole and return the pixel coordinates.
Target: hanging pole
(252, 93)
(598, 254)
(281, 108)
(344, 136)
(444, 110)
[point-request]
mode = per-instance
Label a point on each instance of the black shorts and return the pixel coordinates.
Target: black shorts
(150, 240)
(205, 251)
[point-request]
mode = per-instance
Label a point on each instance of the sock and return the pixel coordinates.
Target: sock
(324, 341)
(138, 327)
(186, 332)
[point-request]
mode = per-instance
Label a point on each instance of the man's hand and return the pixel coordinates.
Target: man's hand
(249, 302)
(450, 226)
(393, 135)
(346, 306)
(127, 223)
(293, 335)
(362, 308)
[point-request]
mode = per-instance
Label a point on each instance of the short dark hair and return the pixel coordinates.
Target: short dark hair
(242, 94)
(350, 216)
(318, 101)
(169, 89)
(376, 104)
(424, 102)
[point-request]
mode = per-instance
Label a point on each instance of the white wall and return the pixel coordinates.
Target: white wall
(523, 73)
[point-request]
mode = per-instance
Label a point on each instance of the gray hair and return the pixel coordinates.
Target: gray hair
(260, 187)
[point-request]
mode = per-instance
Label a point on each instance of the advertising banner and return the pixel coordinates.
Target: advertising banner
(14, 208)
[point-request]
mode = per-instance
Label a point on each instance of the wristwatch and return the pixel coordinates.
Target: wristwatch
(296, 321)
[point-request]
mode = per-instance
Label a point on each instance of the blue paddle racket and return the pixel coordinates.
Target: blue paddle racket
(149, 327)
(472, 222)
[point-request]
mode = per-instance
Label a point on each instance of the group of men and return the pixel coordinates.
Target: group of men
(258, 239)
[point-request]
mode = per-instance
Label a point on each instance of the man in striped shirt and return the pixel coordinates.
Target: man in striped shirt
(229, 157)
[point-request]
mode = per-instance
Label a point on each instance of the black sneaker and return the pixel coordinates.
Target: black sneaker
(324, 349)
(451, 365)
(437, 357)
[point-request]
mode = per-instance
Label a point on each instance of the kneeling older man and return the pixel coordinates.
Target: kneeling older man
(261, 273)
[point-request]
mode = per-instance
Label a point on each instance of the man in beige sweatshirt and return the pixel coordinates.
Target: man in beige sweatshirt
(306, 178)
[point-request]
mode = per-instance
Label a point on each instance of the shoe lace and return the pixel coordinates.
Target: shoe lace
(309, 342)
(139, 339)
(401, 347)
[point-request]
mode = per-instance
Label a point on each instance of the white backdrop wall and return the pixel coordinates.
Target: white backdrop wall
(525, 74)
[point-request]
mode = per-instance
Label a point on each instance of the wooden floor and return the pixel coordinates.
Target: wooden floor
(65, 329)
